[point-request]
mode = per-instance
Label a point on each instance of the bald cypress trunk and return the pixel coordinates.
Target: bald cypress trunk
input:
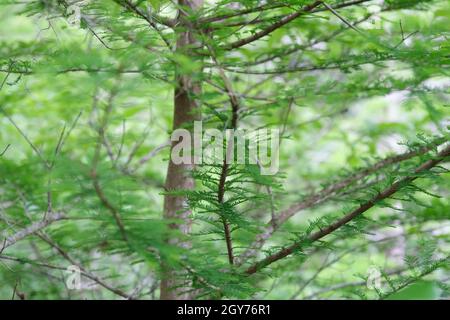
(186, 111)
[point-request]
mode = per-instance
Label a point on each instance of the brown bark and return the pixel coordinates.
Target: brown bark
(186, 111)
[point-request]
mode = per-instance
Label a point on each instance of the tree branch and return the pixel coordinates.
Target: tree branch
(150, 17)
(296, 48)
(94, 174)
(237, 13)
(266, 31)
(4, 150)
(317, 198)
(225, 166)
(311, 8)
(386, 193)
(32, 229)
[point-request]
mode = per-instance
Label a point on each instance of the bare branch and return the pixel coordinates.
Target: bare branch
(35, 149)
(32, 229)
(154, 152)
(151, 18)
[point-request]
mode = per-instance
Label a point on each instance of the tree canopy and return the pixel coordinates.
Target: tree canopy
(91, 92)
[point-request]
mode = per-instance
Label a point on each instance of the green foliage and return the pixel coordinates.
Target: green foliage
(361, 100)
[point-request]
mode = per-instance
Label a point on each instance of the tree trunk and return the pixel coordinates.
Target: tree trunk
(186, 111)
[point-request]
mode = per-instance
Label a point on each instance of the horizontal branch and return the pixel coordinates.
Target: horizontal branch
(341, 5)
(311, 8)
(266, 31)
(386, 193)
(32, 229)
(317, 198)
(27, 72)
(333, 188)
(242, 12)
(85, 272)
(92, 24)
(75, 69)
(150, 17)
(298, 47)
(255, 21)
(344, 64)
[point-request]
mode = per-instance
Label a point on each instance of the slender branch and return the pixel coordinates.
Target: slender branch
(226, 225)
(237, 13)
(350, 284)
(14, 290)
(312, 8)
(54, 267)
(240, 23)
(314, 199)
(415, 278)
(5, 79)
(30, 143)
(317, 198)
(150, 17)
(89, 23)
(268, 30)
(333, 11)
(62, 139)
(327, 263)
(84, 272)
(74, 69)
(92, 24)
(342, 5)
(153, 153)
(94, 175)
(296, 48)
(386, 193)
(225, 166)
(4, 150)
(343, 64)
(104, 200)
(32, 229)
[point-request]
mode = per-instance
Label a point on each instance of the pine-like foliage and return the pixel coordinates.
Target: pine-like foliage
(358, 90)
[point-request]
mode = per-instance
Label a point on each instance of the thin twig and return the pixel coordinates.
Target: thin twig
(225, 166)
(4, 150)
(35, 149)
(268, 30)
(94, 175)
(32, 229)
(341, 17)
